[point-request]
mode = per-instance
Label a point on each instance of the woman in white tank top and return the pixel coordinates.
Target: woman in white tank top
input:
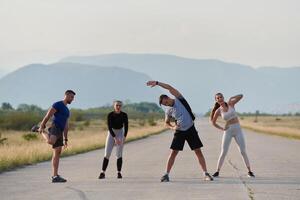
(231, 130)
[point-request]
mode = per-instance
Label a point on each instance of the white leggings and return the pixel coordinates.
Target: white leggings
(235, 131)
(110, 142)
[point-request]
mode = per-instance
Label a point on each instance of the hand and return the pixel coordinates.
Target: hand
(66, 144)
(152, 83)
(176, 127)
(41, 129)
(225, 128)
(117, 141)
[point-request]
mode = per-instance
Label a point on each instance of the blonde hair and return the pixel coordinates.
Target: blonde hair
(117, 101)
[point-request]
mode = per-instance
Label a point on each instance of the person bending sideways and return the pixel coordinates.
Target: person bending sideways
(231, 130)
(179, 109)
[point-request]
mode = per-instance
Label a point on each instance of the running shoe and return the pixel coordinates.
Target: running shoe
(165, 178)
(35, 128)
(208, 177)
(101, 176)
(119, 175)
(216, 174)
(58, 179)
(251, 174)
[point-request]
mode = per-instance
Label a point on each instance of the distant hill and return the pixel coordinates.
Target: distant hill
(95, 86)
(100, 79)
(264, 88)
(2, 73)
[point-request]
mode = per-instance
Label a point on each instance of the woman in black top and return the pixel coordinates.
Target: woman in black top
(117, 122)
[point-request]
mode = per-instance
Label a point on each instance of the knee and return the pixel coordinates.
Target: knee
(51, 142)
(243, 152)
(107, 156)
(223, 153)
(198, 152)
(57, 154)
(173, 154)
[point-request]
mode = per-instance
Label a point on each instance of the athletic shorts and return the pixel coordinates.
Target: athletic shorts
(54, 130)
(190, 135)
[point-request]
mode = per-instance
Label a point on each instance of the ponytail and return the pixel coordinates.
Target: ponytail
(217, 105)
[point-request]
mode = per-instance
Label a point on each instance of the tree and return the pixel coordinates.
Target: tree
(29, 108)
(6, 106)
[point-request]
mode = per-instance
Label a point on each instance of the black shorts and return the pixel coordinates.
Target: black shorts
(190, 135)
(54, 130)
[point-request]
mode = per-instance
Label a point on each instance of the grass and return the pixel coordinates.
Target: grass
(16, 151)
(285, 126)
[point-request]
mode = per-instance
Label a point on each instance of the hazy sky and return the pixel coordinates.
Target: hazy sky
(253, 32)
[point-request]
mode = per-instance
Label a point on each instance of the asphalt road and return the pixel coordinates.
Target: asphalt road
(275, 161)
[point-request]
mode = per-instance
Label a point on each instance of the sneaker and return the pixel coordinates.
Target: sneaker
(101, 176)
(216, 174)
(208, 177)
(251, 174)
(58, 179)
(165, 178)
(35, 128)
(119, 175)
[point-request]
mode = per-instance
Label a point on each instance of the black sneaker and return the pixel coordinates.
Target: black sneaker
(251, 174)
(119, 175)
(58, 179)
(35, 128)
(101, 176)
(216, 174)
(165, 178)
(207, 177)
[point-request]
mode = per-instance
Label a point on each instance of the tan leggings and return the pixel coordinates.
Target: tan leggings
(234, 131)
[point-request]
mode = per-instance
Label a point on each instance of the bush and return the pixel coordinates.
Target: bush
(142, 122)
(72, 126)
(87, 123)
(30, 136)
(80, 127)
(18, 120)
(2, 139)
(76, 115)
(151, 122)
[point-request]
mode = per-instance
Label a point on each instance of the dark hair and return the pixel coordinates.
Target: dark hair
(217, 105)
(70, 92)
(163, 96)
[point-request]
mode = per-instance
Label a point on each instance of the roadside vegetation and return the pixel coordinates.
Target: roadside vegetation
(88, 130)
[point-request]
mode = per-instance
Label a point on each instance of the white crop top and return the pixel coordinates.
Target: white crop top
(230, 114)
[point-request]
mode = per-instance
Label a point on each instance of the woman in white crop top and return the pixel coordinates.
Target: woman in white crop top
(231, 130)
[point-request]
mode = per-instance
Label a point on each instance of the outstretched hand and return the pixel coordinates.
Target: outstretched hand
(151, 83)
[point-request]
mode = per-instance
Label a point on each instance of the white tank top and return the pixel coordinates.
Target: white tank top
(230, 114)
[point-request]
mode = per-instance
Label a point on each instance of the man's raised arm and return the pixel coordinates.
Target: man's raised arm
(172, 90)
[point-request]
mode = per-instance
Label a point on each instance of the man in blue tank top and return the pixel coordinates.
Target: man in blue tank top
(184, 128)
(58, 132)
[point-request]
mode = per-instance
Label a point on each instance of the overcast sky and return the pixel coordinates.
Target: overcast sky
(253, 32)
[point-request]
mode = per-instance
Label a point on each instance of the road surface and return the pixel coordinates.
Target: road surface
(275, 161)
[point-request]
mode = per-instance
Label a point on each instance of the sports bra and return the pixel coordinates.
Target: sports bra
(230, 114)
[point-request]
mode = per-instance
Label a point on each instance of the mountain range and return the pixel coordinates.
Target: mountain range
(102, 78)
